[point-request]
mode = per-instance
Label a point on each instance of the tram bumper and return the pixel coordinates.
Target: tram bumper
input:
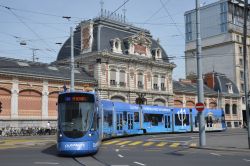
(77, 148)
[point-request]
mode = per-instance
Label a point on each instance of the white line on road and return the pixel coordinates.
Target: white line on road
(246, 160)
(215, 154)
(119, 165)
(117, 150)
(120, 155)
(138, 163)
(46, 163)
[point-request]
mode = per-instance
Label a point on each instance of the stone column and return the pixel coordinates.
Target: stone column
(45, 100)
(14, 99)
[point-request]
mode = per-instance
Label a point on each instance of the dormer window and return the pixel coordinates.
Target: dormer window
(116, 45)
(229, 87)
(156, 54)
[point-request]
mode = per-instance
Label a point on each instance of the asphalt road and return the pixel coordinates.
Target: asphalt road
(223, 148)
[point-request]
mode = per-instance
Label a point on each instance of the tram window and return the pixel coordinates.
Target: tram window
(153, 118)
(108, 117)
(181, 120)
(136, 117)
(125, 117)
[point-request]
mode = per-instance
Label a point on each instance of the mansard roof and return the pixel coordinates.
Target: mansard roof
(110, 29)
(17, 67)
(221, 83)
(191, 88)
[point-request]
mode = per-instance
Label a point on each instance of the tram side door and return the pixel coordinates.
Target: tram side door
(119, 119)
(130, 121)
(168, 122)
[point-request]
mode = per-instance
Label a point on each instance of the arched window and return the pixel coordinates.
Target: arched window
(118, 98)
(227, 108)
(212, 105)
(234, 109)
(159, 102)
(190, 104)
(140, 81)
(113, 77)
(122, 78)
(163, 88)
(155, 84)
(178, 103)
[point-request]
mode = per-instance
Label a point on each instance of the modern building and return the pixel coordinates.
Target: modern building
(129, 65)
(221, 38)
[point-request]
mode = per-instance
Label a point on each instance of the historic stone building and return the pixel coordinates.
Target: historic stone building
(129, 65)
(29, 90)
(219, 93)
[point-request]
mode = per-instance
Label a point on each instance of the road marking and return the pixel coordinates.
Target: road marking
(215, 154)
(117, 150)
(148, 144)
(138, 163)
(120, 155)
(46, 163)
(246, 160)
(110, 142)
(161, 144)
(193, 145)
(119, 165)
(123, 143)
(135, 143)
(122, 146)
(174, 145)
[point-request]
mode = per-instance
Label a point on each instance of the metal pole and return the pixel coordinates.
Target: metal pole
(202, 134)
(246, 67)
(72, 80)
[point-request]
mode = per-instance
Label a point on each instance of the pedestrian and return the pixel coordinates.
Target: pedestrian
(48, 128)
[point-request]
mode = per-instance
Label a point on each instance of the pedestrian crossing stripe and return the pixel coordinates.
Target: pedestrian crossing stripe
(157, 144)
(148, 143)
(193, 145)
(124, 142)
(111, 142)
(135, 143)
(174, 145)
(161, 144)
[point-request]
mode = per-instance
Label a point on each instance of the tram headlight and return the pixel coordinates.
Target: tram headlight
(60, 135)
(90, 134)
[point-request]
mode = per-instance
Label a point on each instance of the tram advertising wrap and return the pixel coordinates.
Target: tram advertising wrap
(84, 120)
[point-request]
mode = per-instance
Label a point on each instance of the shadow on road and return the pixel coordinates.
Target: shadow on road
(51, 150)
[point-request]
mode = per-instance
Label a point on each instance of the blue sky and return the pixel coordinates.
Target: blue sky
(40, 25)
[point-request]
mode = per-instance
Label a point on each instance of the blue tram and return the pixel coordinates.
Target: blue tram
(78, 128)
(83, 121)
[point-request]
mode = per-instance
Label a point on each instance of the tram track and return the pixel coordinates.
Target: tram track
(89, 161)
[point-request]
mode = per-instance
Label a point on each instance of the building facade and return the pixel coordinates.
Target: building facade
(219, 93)
(29, 91)
(129, 65)
(222, 41)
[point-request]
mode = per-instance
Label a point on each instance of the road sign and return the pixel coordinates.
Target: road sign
(199, 107)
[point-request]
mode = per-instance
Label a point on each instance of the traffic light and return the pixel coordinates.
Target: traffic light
(0, 106)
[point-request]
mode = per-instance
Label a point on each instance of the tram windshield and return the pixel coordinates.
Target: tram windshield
(75, 118)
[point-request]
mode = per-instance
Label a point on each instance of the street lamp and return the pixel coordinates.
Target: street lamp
(141, 98)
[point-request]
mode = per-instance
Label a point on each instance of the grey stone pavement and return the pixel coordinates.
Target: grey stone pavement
(231, 139)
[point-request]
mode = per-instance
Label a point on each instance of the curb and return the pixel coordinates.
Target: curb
(221, 149)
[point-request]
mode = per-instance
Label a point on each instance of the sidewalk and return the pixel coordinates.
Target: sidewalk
(230, 140)
(24, 141)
